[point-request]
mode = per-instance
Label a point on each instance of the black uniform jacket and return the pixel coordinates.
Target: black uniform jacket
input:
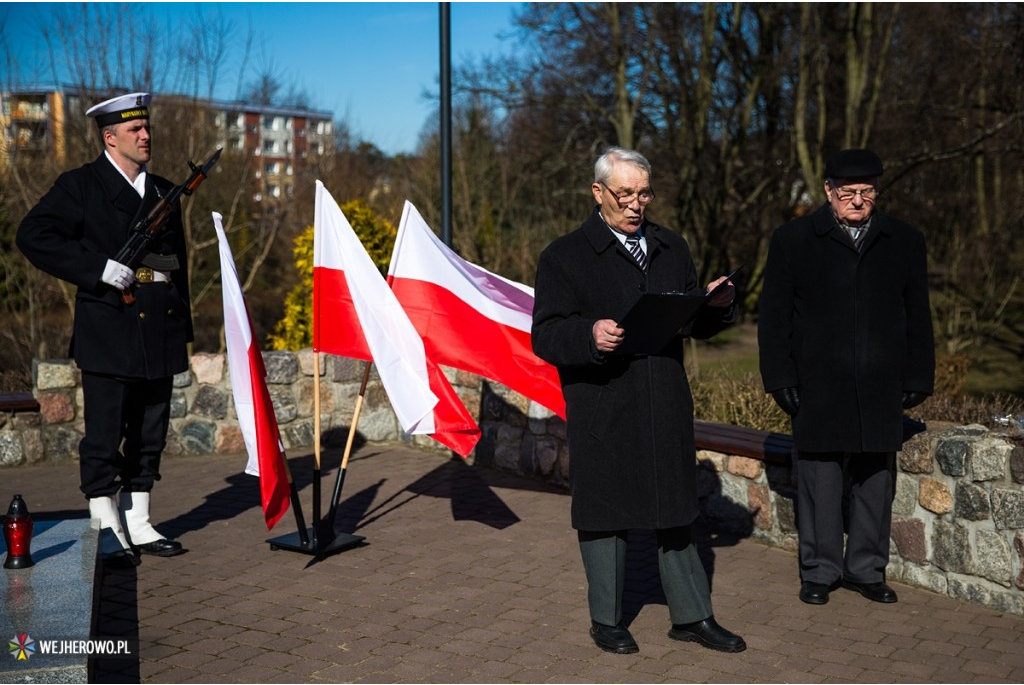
(83, 221)
(629, 418)
(851, 329)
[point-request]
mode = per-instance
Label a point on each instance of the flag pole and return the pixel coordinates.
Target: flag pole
(316, 446)
(340, 480)
(300, 520)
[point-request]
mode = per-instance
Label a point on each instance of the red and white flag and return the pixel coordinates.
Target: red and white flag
(468, 317)
(356, 315)
(253, 407)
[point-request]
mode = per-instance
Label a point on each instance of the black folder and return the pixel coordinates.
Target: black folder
(656, 317)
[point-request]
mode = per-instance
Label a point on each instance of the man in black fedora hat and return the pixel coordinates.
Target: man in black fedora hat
(128, 353)
(846, 343)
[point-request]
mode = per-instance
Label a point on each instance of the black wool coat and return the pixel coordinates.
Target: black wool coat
(851, 329)
(83, 221)
(629, 418)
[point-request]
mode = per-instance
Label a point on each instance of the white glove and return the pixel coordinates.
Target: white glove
(117, 275)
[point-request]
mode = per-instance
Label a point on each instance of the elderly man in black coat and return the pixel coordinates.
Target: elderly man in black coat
(629, 417)
(128, 353)
(846, 344)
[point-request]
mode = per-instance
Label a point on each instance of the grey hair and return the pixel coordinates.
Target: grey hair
(609, 158)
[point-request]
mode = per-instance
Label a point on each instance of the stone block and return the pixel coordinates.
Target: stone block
(198, 437)
(969, 429)
(282, 366)
(922, 576)
(1017, 462)
(182, 380)
(230, 440)
(545, 454)
(298, 434)
(905, 502)
(32, 444)
(538, 411)
(1008, 508)
(526, 455)
(285, 408)
(54, 374)
(744, 466)
(346, 370)
(935, 496)
(785, 511)
(507, 447)
(208, 367)
(61, 442)
(210, 403)
(556, 427)
(306, 359)
(916, 456)
(11, 452)
(56, 407)
(971, 502)
(179, 404)
(992, 557)
(951, 454)
(1018, 544)
(713, 460)
(378, 424)
(759, 501)
(908, 534)
(952, 550)
(987, 458)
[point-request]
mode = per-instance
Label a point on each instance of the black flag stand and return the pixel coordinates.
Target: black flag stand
(321, 540)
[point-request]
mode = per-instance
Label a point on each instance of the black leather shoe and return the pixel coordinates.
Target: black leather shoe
(613, 638)
(161, 548)
(121, 559)
(709, 634)
(813, 593)
(876, 592)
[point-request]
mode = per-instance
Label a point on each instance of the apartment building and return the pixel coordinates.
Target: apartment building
(43, 122)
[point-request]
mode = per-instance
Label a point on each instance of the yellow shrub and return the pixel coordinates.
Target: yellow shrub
(295, 329)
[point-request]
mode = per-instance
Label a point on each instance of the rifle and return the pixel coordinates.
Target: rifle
(149, 227)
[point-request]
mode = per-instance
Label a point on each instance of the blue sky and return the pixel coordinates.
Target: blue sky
(369, 63)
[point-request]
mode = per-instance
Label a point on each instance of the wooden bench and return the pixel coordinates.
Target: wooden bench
(771, 447)
(18, 401)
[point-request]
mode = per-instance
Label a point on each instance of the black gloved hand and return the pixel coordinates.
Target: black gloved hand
(788, 399)
(912, 398)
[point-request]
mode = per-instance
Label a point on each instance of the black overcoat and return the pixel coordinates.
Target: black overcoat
(629, 419)
(83, 221)
(851, 329)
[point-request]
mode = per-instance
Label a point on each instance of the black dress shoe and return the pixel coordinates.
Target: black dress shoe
(709, 634)
(876, 592)
(121, 559)
(813, 593)
(161, 548)
(613, 638)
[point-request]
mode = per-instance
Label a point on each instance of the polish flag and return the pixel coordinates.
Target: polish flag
(469, 318)
(356, 315)
(253, 407)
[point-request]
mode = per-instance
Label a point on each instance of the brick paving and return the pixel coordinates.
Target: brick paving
(472, 575)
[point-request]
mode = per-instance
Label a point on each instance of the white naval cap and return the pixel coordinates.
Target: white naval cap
(120, 108)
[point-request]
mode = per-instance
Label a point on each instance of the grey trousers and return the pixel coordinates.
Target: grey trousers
(821, 480)
(682, 576)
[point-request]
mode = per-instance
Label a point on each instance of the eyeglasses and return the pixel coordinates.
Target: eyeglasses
(845, 194)
(643, 197)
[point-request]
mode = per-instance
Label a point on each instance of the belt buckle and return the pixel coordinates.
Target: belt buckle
(144, 274)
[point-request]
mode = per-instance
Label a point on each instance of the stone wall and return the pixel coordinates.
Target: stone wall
(958, 516)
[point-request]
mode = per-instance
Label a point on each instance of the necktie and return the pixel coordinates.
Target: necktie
(633, 245)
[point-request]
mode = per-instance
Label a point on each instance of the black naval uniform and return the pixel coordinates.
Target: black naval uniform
(128, 354)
